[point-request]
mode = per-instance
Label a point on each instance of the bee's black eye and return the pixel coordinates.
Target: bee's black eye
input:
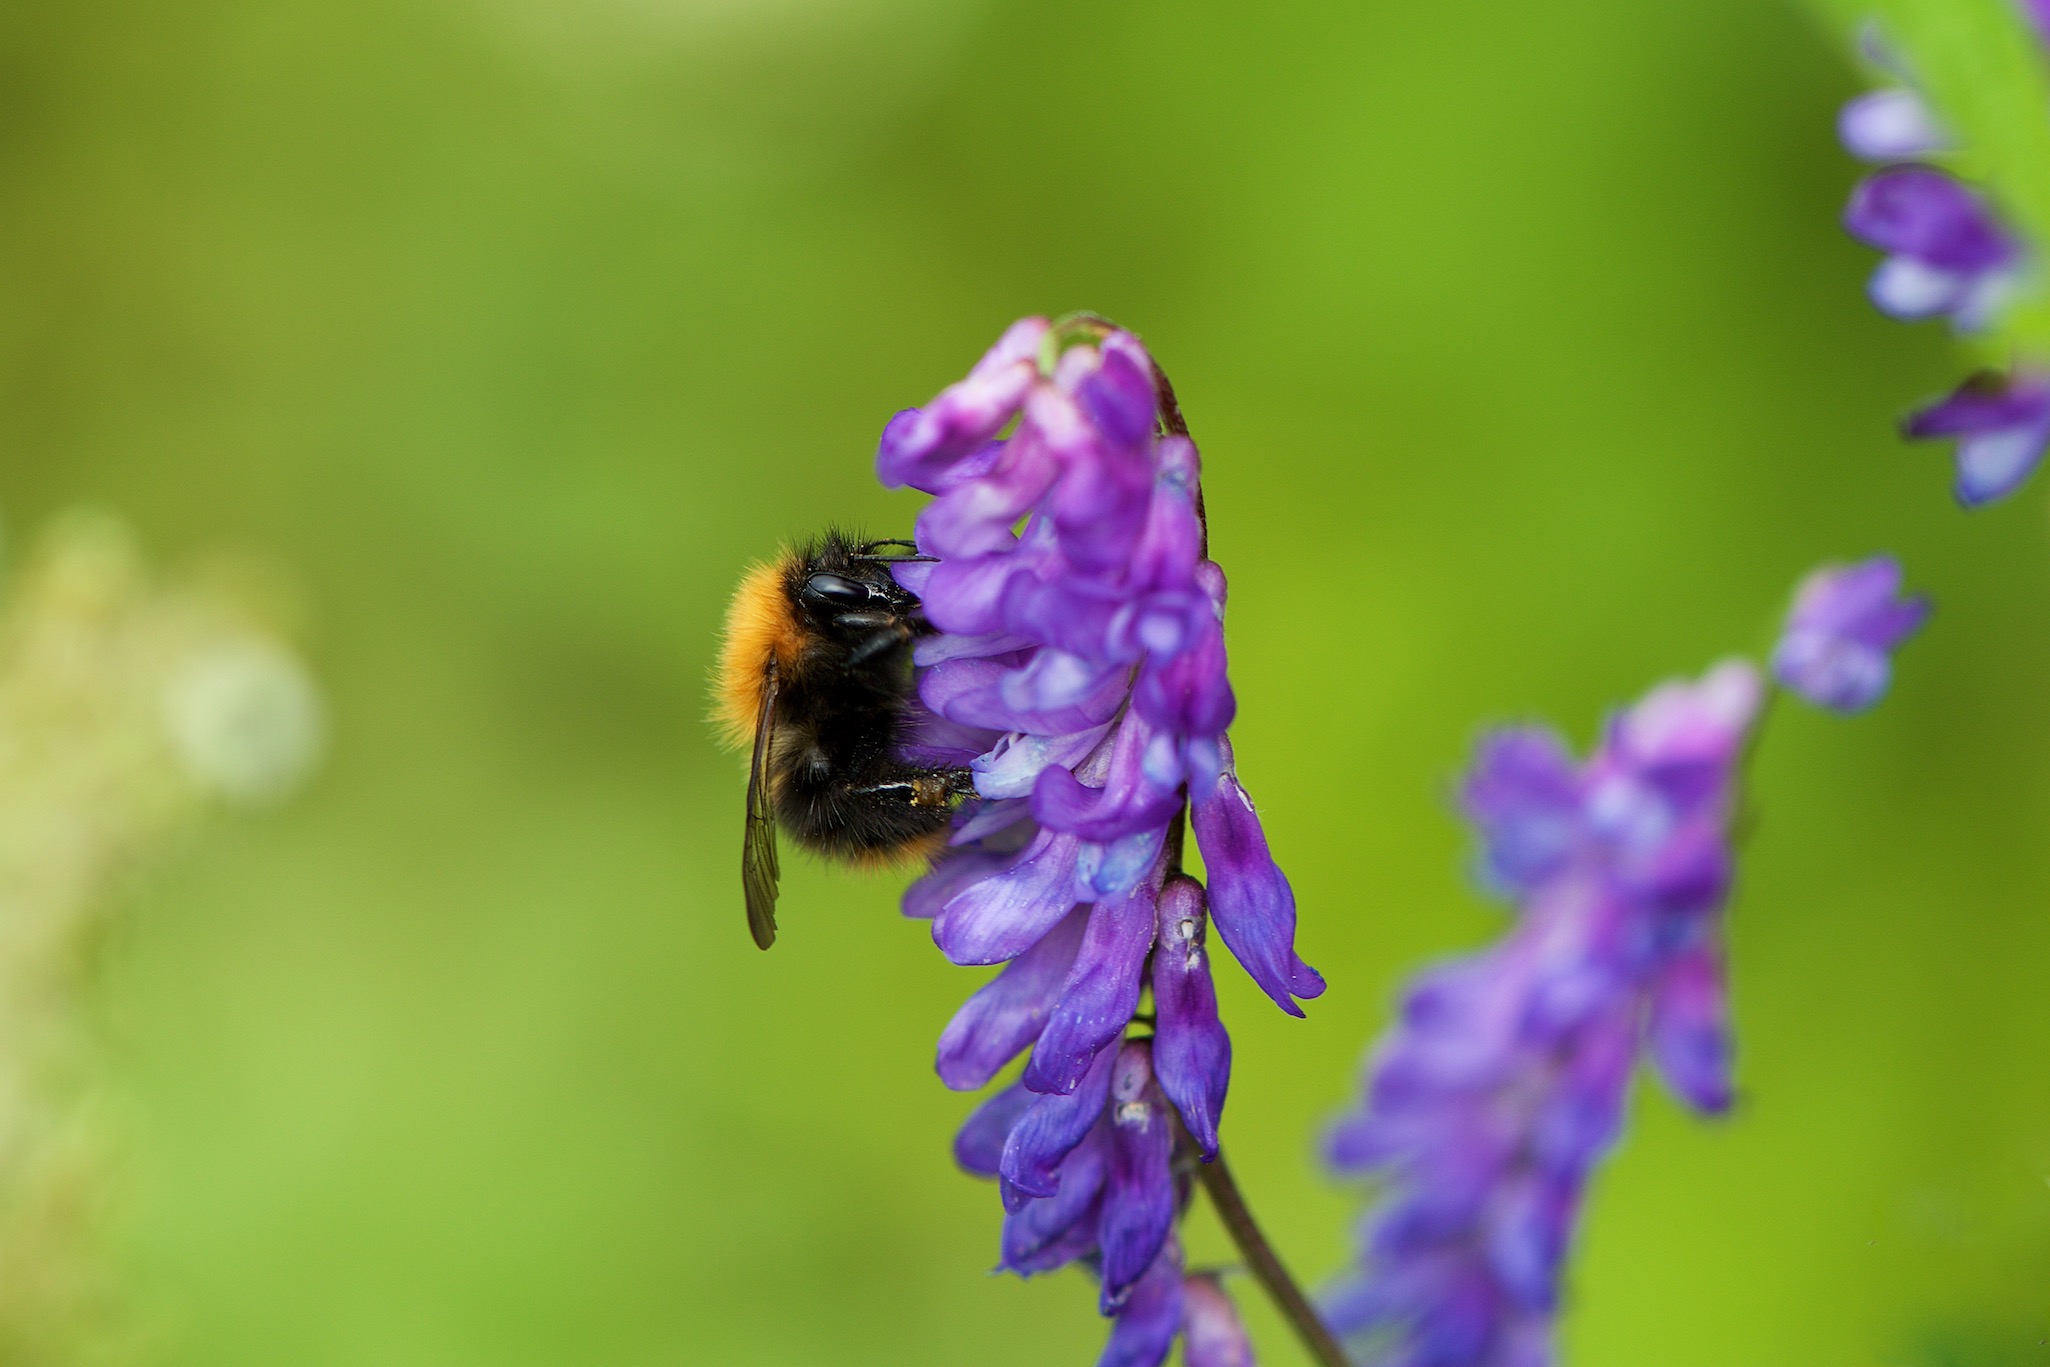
(835, 591)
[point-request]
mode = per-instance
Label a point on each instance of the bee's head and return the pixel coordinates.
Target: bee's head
(850, 596)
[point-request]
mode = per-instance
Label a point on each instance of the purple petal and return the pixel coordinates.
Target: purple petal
(1923, 214)
(992, 824)
(1138, 1197)
(1524, 794)
(955, 871)
(1052, 695)
(964, 597)
(1099, 506)
(1100, 994)
(934, 650)
(1988, 401)
(2038, 14)
(1150, 1317)
(1189, 692)
(975, 518)
(919, 446)
(1890, 125)
(979, 1147)
(1910, 289)
(1012, 767)
(1049, 1130)
(2003, 424)
(994, 1026)
(1191, 1052)
(1579, 1122)
(1991, 467)
(1526, 1238)
(1005, 914)
(1688, 721)
(1135, 794)
(1104, 873)
(1119, 396)
(1250, 899)
(1212, 1334)
(1170, 544)
(1689, 1033)
(1051, 1231)
(1845, 623)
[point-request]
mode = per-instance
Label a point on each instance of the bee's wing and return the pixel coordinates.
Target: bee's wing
(758, 868)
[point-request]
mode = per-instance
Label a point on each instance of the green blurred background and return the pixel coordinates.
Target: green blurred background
(1530, 366)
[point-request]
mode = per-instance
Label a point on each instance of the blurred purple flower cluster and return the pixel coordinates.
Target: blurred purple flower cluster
(1947, 255)
(1080, 660)
(1503, 1082)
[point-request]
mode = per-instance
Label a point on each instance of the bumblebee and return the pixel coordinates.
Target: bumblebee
(814, 682)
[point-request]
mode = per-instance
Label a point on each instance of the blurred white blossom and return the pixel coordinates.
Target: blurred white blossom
(246, 719)
(127, 703)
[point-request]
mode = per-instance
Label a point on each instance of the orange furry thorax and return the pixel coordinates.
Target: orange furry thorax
(761, 622)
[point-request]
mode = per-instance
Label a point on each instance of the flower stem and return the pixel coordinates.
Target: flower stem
(1288, 1298)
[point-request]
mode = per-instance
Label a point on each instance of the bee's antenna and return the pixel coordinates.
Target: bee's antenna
(863, 557)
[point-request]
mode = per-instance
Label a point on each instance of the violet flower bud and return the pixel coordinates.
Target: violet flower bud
(1212, 1334)
(1191, 1051)
(1847, 620)
(1888, 125)
(1946, 254)
(2002, 426)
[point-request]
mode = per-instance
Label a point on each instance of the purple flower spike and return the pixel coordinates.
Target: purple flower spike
(1946, 254)
(1847, 620)
(1891, 125)
(1212, 1335)
(1503, 1086)
(2002, 426)
(1079, 671)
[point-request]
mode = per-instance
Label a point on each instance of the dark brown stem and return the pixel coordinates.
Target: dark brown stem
(1266, 1265)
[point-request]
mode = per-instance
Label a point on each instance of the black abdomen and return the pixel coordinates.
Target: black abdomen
(839, 789)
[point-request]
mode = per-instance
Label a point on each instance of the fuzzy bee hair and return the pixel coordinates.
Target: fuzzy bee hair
(814, 682)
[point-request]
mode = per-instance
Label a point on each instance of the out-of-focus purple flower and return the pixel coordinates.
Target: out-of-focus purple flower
(1080, 636)
(1895, 124)
(1504, 1081)
(1212, 1334)
(1946, 254)
(2001, 424)
(2037, 12)
(1847, 620)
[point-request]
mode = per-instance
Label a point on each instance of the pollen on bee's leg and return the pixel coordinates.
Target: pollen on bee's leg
(928, 790)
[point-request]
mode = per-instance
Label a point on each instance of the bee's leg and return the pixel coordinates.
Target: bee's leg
(922, 787)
